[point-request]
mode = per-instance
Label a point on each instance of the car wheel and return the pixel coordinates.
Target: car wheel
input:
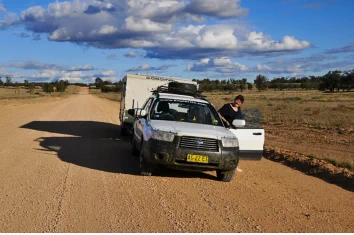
(123, 131)
(135, 151)
(225, 176)
(145, 167)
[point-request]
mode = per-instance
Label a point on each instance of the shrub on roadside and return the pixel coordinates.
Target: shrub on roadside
(110, 88)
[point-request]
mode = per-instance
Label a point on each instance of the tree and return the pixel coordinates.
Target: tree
(250, 86)
(105, 83)
(261, 82)
(242, 87)
(8, 81)
(1, 82)
(99, 83)
(31, 87)
(26, 83)
(331, 81)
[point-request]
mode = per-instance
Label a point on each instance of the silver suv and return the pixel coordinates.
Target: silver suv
(183, 132)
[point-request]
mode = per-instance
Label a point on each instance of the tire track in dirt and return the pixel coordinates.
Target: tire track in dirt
(54, 227)
(107, 202)
(18, 186)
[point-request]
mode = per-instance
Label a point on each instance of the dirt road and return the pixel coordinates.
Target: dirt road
(64, 168)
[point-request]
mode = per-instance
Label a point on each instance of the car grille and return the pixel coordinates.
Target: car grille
(197, 143)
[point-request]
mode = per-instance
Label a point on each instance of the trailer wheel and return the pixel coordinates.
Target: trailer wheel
(225, 176)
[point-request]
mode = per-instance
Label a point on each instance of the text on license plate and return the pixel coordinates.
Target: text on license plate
(197, 158)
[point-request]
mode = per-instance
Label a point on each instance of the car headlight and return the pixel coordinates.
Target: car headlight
(163, 135)
(229, 142)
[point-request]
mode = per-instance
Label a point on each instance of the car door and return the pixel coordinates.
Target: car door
(140, 124)
(251, 142)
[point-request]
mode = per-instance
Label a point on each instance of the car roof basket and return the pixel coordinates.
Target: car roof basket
(180, 88)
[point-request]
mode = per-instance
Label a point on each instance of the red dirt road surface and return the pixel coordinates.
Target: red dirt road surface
(65, 168)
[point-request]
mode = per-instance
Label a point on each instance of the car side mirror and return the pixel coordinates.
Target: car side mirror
(140, 113)
(137, 113)
(238, 123)
(131, 112)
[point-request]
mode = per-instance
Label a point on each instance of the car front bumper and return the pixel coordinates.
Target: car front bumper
(170, 155)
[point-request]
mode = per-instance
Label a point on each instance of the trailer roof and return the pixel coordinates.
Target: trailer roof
(158, 77)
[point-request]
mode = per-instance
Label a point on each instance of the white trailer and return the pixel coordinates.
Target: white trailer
(136, 89)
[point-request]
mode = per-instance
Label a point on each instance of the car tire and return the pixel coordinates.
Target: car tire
(123, 131)
(134, 151)
(225, 176)
(145, 167)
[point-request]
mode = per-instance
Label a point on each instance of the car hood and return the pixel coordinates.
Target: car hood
(191, 129)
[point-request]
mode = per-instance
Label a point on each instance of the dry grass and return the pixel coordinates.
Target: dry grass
(24, 93)
(109, 95)
(23, 96)
(303, 108)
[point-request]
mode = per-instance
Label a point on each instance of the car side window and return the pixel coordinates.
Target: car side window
(147, 105)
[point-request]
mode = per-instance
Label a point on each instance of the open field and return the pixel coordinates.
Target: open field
(14, 96)
(313, 109)
(111, 96)
(24, 93)
(65, 168)
(317, 124)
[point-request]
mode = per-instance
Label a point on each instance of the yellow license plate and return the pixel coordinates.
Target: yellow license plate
(197, 158)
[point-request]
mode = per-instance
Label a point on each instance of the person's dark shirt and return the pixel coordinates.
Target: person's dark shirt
(229, 113)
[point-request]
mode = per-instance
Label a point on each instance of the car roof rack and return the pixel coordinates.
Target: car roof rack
(182, 90)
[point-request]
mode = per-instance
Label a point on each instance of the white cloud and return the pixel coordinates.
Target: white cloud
(218, 64)
(70, 75)
(130, 54)
(259, 42)
(303, 65)
(216, 37)
(108, 73)
(2, 8)
(47, 73)
(108, 29)
(4, 73)
(145, 25)
(263, 68)
(217, 8)
(146, 67)
(165, 28)
(33, 65)
(86, 67)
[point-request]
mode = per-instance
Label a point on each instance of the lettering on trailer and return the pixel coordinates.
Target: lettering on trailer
(160, 78)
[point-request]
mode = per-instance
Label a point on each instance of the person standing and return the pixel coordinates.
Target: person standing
(232, 111)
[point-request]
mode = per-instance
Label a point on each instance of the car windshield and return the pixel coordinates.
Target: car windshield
(185, 111)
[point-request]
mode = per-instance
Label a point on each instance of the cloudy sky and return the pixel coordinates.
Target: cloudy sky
(79, 40)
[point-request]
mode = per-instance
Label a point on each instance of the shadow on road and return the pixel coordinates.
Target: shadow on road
(96, 145)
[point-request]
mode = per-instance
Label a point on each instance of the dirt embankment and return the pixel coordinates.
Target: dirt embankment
(322, 169)
(64, 168)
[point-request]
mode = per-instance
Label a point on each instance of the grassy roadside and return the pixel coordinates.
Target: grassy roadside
(12, 93)
(313, 109)
(326, 114)
(109, 95)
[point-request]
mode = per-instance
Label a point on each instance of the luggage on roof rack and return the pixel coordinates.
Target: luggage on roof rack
(182, 88)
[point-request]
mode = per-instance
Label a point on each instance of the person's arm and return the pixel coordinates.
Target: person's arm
(222, 112)
(224, 120)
